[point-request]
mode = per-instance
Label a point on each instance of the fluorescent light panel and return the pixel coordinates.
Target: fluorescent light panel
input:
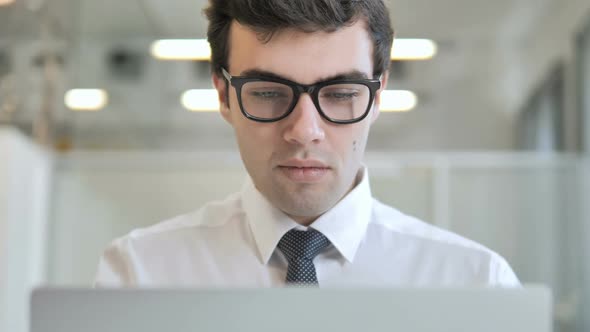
(181, 49)
(198, 49)
(398, 101)
(413, 49)
(201, 100)
(86, 99)
(207, 100)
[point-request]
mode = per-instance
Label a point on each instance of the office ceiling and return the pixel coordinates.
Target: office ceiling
(473, 37)
(439, 19)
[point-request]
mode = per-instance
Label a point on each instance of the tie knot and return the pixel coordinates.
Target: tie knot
(303, 244)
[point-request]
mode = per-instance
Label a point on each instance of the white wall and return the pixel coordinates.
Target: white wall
(24, 187)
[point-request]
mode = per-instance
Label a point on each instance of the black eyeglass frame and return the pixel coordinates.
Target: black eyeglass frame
(312, 89)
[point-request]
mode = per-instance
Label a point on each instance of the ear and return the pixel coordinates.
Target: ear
(221, 86)
(376, 110)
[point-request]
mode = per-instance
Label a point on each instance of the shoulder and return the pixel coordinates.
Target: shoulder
(211, 216)
(397, 222)
(434, 241)
(211, 220)
(125, 257)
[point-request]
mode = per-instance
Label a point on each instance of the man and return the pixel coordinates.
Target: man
(299, 81)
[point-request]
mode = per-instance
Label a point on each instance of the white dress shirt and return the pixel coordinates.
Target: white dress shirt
(233, 243)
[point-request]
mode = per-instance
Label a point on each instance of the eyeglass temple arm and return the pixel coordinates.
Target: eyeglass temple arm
(226, 74)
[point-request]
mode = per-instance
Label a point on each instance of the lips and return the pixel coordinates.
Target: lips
(304, 171)
(303, 163)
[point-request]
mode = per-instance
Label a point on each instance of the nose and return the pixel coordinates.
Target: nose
(304, 123)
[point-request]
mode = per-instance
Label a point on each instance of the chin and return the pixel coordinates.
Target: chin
(308, 206)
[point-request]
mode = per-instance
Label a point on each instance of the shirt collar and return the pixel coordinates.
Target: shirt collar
(344, 225)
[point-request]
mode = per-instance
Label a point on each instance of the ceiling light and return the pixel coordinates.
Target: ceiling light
(198, 49)
(413, 49)
(86, 99)
(201, 100)
(397, 101)
(6, 2)
(181, 49)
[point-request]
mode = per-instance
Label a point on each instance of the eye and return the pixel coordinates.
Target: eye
(267, 94)
(340, 95)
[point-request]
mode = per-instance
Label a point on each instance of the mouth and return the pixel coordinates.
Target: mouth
(303, 163)
(304, 171)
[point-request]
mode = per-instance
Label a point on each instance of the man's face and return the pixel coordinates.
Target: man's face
(302, 164)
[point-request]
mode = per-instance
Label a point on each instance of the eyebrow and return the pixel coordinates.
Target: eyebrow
(350, 75)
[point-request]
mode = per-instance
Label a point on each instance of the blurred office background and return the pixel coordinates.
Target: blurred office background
(494, 146)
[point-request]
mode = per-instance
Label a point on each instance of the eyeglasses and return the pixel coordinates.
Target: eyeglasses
(266, 99)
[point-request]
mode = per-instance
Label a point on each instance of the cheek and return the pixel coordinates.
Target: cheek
(255, 140)
(358, 144)
(351, 144)
(358, 138)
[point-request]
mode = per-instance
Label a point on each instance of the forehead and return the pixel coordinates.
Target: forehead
(301, 56)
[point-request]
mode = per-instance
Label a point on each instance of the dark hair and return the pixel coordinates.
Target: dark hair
(269, 16)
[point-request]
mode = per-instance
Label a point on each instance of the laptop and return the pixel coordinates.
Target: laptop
(291, 310)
